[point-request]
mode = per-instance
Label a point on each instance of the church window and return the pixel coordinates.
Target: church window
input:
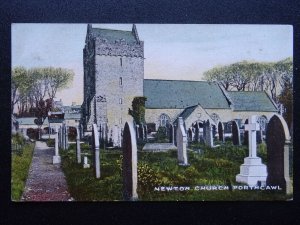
(164, 120)
(121, 63)
(121, 81)
(262, 120)
(215, 117)
(120, 101)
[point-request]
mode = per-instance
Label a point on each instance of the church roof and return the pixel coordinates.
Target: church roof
(187, 112)
(112, 35)
(251, 101)
(180, 94)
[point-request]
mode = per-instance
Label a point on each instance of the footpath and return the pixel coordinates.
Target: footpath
(45, 182)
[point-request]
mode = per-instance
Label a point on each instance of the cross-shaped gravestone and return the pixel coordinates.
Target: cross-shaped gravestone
(78, 150)
(252, 127)
(252, 170)
(129, 164)
(95, 141)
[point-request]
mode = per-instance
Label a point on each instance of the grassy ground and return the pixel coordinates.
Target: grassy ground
(19, 172)
(217, 166)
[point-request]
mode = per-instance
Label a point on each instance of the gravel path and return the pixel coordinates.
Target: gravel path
(45, 182)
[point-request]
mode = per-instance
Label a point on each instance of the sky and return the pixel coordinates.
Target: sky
(172, 51)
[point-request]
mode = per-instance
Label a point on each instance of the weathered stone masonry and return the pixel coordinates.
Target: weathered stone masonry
(113, 76)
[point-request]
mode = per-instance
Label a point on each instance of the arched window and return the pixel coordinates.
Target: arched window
(164, 120)
(262, 120)
(215, 117)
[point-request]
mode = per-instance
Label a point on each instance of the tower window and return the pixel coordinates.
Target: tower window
(120, 101)
(121, 81)
(121, 63)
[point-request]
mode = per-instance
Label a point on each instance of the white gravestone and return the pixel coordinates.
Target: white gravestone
(96, 151)
(252, 170)
(56, 157)
(181, 138)
(85, 162)
(78, 150)
(129, 164)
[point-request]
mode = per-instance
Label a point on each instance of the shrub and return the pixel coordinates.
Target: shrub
(19, 171)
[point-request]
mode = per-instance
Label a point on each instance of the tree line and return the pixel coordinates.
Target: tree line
(35, 87)
(275, 78)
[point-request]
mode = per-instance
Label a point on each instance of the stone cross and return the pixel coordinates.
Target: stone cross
(252, 171)
(56, 157)
(181, 138)
(78, 150)
(278, 141)
(95, 141)
(129, 164)
(252, 127)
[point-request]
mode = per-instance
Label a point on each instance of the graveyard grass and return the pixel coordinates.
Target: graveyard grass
(217, 166)
(20, 167)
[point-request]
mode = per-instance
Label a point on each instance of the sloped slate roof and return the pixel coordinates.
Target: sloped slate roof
(179, 94)
(251, 101)
(72, 116)
(112, 35)
(187, 112)
(29, 120)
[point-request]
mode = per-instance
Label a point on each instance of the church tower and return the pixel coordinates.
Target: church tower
(113, 76)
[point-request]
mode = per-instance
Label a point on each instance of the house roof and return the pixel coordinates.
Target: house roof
(251, 101)
(112, 35)
(180, 94)
(72, 116)
(29, 120)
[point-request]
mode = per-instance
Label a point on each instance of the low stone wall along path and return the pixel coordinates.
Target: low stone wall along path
(45, 182)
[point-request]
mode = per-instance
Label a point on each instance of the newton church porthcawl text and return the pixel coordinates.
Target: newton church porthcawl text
(114, 75)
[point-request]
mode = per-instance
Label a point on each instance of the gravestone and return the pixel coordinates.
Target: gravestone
(278, 142)
(95, 143)
(236, 139)
(78, 150)
(221, 131)
(181, 139)
(56, 157)
(145, 133)
(208, 134)
(246, 135)
(252, 171)
(85, 163)
(129, 165)
(197, 132)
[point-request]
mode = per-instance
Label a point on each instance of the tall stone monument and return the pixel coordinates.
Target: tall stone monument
(181, 138)
(129, 165)
(56, 157)
(78, 150)
(221, 131)
(96, 146)
(252, 170)
(236, 137)
(278, 143)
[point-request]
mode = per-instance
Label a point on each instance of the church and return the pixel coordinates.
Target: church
(113, 63)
